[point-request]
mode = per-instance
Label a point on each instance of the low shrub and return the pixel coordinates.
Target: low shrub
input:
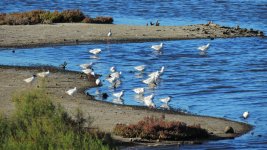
(157, 128)
(47, 17)
(99, 20)
(39, 124)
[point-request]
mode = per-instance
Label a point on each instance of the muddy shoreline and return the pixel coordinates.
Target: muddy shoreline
(21, 36)
(105, 115)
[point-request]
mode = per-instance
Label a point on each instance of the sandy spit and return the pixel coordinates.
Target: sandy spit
(76, 33)
(105, 115)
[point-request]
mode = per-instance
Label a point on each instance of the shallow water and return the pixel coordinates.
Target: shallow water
(230, 79)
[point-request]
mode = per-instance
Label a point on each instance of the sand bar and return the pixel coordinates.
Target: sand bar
(105, 115)
(76, 33)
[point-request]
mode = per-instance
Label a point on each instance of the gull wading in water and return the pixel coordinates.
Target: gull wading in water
(204, 48)
(148, 101)
(71, 91)
(43, 74)
(112, 69)
(119, 95)
(165, 100)
(30, 80)
(95, 51)
(140, 68)
(245, 114)
(139, 90)
(86, 66)
(157, 47)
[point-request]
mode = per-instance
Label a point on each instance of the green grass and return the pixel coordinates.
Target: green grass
(38, 124)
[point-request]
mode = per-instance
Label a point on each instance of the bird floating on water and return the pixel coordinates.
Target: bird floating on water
(245, 114)
(109, 33)
(157, 47)
(140, 68)
(204, 47)
(30, 80)
(139, 90)
(95, 51)
(71, 91)
(43, 74)
(119, 95)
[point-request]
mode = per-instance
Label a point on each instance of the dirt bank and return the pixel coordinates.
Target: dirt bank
(75, 33)
(105, 115)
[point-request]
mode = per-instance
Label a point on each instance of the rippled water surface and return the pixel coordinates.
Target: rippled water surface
(230, 79)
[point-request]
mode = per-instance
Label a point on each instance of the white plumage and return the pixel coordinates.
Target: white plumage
(86, 66)
(149, 80)
(139, 90)
(140, 68)
(109, 33)
(157, 47)
(111, 79)
(115, 75)
(43, 74)
(87, 71)
(119, 95)
(204, 47)
(148, 101)
(95, 51)
(245, 114)
(112, 69)
(97, 81)
(165, 100)
(30, 80)
(71, 91)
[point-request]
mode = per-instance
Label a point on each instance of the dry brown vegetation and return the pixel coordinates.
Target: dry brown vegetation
(47, 17)
(157, 128)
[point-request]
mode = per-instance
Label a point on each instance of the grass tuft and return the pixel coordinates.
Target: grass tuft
(38, 124)
(153, 128)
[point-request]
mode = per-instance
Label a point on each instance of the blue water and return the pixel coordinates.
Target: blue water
(230, 79)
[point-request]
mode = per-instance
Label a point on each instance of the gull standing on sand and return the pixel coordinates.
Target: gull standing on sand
(95, 51)
(30, 80)
(204, 48)
(109, 33)
(157, 47)
(245, 114)
(148, 101)
(71, 91)
(43, 74)
(139, 90)
(140, 68)
(119, 95)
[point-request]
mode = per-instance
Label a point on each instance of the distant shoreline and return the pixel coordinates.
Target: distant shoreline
(105, 115)
(24, 36)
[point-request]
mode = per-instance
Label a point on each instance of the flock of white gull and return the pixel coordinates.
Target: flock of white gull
(114, 79)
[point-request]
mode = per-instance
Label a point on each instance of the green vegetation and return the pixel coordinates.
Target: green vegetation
(47, 17)
(38, 124)
(157, 128)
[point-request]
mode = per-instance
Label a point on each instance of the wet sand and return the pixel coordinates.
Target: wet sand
(77, 33)
(105, 115)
